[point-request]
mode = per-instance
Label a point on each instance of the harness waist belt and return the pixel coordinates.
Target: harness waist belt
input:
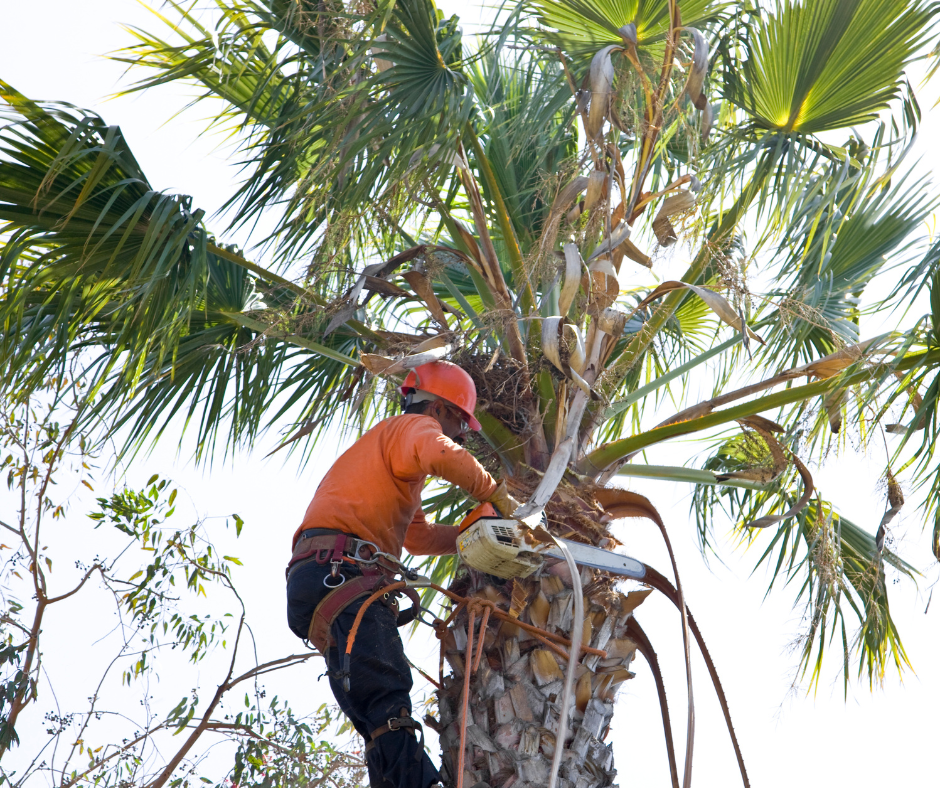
(323, 545)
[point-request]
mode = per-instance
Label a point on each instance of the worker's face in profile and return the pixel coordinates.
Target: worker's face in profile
(452, 421)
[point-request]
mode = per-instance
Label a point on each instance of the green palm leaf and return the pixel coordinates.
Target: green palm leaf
(99, 264)
(835, 257)
(528, 134)
(581, 27)
(231, 62)
(107, 245)
(837, 563)
(827, 64)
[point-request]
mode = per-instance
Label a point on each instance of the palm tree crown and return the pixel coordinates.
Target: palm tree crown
(490, 202)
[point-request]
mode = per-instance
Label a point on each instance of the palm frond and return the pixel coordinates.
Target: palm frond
(835, 255)
(231, 62)
(826, 65)
(582, 28)
(837, 564)
(528, 134)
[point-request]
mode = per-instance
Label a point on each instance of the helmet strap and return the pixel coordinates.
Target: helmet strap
(415, 395)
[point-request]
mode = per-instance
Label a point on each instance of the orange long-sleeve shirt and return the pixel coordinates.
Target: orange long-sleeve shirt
(373, 490)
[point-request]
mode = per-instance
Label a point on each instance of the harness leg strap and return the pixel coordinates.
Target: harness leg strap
(404, 721)
(334, 603)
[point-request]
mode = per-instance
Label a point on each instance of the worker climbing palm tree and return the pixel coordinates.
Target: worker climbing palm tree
(369, 503)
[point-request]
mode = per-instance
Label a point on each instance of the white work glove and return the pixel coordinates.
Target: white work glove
(505, 504)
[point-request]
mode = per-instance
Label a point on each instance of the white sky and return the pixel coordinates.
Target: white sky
(50, 51)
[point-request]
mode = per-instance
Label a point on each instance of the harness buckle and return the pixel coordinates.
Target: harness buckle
(394, 723)
(369, 558)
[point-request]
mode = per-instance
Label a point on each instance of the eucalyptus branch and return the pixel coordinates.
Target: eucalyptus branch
(38, 575)
(184, 749)
(6, 619)
(267, 667)
(327, 774)
(77, 588)
(339, 760)
(91, 710)
(145, 735)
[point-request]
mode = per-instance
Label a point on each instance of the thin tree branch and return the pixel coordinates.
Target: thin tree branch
(77, 588)
(146, 735)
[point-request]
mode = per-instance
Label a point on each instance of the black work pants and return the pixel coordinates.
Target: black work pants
(379, 682)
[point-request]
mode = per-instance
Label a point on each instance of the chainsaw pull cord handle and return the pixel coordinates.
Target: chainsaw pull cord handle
(577, 633)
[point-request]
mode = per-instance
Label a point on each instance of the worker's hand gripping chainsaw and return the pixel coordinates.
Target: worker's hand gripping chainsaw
(505, 547)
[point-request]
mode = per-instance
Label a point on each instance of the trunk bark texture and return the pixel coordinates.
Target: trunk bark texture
(515, 690)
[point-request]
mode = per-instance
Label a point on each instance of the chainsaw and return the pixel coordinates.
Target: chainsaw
(499, 546)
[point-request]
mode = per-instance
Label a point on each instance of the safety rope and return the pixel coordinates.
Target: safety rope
(486, 608)
(543, 635)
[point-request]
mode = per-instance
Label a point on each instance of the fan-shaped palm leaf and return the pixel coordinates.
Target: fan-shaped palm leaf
(828, 64)
(582, 28)
(839, 563)
(835, 258)
(529, 133)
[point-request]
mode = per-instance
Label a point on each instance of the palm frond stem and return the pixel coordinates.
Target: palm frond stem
(293, 339)
(601, 458)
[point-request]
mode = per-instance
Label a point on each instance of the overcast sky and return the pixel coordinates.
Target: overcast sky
(51, 51)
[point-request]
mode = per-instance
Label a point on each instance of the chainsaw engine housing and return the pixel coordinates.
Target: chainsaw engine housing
(494, 545)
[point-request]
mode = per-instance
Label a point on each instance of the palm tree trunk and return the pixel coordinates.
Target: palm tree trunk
(514, 692)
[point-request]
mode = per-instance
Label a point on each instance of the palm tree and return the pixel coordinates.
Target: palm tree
(492, 206)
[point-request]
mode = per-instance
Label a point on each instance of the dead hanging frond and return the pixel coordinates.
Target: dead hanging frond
(601, 81)
(696, 80)
(432, 349)
(895, 503)
(572, 279)
(618, 503)
(561, 205)
(675, 204)
(778, 456)
(563, 346)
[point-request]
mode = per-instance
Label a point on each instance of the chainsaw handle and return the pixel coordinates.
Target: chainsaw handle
(482, 510)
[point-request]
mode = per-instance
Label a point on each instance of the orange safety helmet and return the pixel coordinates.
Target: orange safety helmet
(447, 381)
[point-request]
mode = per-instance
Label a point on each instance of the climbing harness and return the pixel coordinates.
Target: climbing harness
(376, 569)
(376, 582)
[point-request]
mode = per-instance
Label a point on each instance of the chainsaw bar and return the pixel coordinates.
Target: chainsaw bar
(599, 558)
(498, 546)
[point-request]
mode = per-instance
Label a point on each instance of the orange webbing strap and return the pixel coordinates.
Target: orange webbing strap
(473, 604)
(401, 584)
